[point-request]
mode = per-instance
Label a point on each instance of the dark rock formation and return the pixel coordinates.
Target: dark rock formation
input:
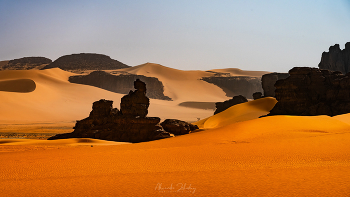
(135, 104)
(222, 106)
(178, 127)
(268, 82)
(239, 85)
(128, 125)
(312, 91)
(336, 59)
(257, 95)
(27, 63)
(121, 83)
(86, 61)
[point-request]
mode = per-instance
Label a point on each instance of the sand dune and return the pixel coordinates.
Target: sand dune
(55, 99)
(238, 113)
(181, 85)
(237, 153)
(271, 156)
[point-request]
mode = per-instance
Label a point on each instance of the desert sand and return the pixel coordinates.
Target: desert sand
(236, 153)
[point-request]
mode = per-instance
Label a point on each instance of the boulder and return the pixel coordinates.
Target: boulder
(178, 127)
(222, 106)
(257, 95)
(312, 91)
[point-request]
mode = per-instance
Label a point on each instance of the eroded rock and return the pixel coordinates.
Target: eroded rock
(178, 127)
(222, 106)
(130, 124)
(268, 82)
(336, 59)
(312, 91)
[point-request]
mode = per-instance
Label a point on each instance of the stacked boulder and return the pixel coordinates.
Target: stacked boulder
(130, 124)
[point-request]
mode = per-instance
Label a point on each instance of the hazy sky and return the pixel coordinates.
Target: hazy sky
(271, 35)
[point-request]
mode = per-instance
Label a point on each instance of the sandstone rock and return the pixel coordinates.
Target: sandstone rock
(86, 61)
(312, 91)
(222, 106)
(178, 127)
(268, 81)
(135, 103)
(238, 85)
(336, 59)
(257, 95)
(27, 63)
(121, 83)
(128, 125)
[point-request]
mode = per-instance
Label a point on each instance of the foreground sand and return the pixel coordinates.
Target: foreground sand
(270, 156)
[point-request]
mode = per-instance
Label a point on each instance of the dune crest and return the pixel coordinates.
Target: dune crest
(238, 113)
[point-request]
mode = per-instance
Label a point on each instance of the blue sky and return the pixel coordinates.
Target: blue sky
(271, 35)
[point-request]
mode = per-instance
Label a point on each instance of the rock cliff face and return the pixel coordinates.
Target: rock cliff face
(26, 63)
(336, 59)
(222, 106)
(268, 82)
(86, 61)
(312, 91)
(238, 85)
(128, 125)
(121, 83)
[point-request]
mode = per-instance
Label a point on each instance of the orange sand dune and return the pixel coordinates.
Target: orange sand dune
(181, 85)
(270, 156)
(238, 113)
(55, 99)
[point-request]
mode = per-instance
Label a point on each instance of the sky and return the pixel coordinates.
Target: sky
(269, 35)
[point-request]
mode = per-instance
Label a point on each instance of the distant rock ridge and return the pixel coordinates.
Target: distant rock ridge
(336, 59)
(268, 83)
(121, 83)
(236, 85)
(130, 124)
(312, 91)
(86, 61)
(27, 63)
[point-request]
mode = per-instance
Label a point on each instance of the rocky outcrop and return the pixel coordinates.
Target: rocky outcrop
(130, 124)
(121, 83)
(336, 59)
(178, 127)
(312, 91)
(135, 104)
(222, 106)
(26, 63)
(268, 82)
(238, 85)
(86, 61)
(257, 95)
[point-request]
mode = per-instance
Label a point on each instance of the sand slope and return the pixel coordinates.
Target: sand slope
(271, 156)
(47, 96)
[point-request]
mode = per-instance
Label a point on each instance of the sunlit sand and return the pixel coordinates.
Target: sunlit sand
(236, 153)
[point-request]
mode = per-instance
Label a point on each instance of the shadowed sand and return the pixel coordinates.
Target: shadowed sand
(17, 85)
